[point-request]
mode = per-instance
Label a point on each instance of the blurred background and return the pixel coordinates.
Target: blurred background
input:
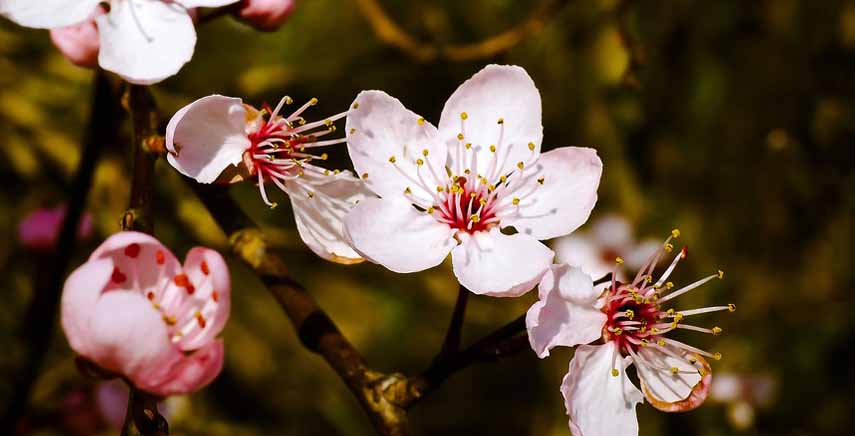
(731, 120)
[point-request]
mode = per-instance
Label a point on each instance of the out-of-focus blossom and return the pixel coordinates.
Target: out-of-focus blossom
(134, 310)
(742, 394)
(595, 250)
(144, 41)
(80, 42)
(265, 15)
(39, 230)
(453, 189)
(220, 139)
(630, 319)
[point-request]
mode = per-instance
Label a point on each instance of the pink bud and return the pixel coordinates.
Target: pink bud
(266, 15)
(79, 43)
(39, 230)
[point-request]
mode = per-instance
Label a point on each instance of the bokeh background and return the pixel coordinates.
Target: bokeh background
(733, 120)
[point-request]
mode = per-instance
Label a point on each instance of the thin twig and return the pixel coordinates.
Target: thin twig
(451, 344)
(142, 417)
(38, 326)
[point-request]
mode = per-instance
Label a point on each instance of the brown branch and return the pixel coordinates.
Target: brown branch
(142, 417)
(38, 326)
(451, 344)
(315, 329)
(391, 33)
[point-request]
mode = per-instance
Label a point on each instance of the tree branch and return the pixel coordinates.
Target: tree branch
(38, 326)
(455, 327)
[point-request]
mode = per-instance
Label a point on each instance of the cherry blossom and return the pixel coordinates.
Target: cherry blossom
(459, 187)
(39, 230)
(631, 320)
(144, 41)
(220, 139)
(594, 250)
(266, 15)
(134, 310)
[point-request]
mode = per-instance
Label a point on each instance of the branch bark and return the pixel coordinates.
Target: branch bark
(38, 326)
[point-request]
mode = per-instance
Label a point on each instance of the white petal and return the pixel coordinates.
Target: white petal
(613, 231)
(491, 263)
(320, 217)
(497, 91)
(567, 313)
(671, 392)
(564, 200)
(206, 136)
(145, 41)
(381, 128)
(598, 403)
(47, 14)
(391, 232)
(581, 250)
(639, 255)
(205, 3)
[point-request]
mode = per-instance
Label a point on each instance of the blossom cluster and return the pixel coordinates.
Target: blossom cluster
(477, 186)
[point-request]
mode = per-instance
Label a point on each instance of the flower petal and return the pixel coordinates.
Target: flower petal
(208, 270)
(142, 262)
(391, 232)
(145, 41)
(563, 191)
(597, 402)
(206, 136)
(491, 263)
(566, 314)
(580, 249)
(205, 3)
(320, 216)
(79, 43)
(613, 231)
(671, 392)
(496, 92)
(80, 296)
(46, 14)
(193, 372)
(381, 130)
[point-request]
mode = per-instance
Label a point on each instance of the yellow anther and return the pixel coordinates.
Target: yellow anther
(654, 330)
(472, 195)
(425, 152)
(674, 370)
(313, 101)
(273, 205)
(300, 173)
(503, 179)
(669, 285)
(328, 122)
(492, 148)
(392, 159)
(408, 191)
(644, 342)
(675, 233)
(467, 171)
(310, 194)
(439, 188)
(615, 372)
(702, 372)
(661, 342)
(352, 130)
(720, 274)
(678, 317)
(670, 312)
(716, 331)
(669, 247)
(338, 171)
(540, 180)
(355, 106)
(169, 319)
(531, 146)
(288, 100)
(460, 138)
(421, 121)
(324, 156)
(619, 261)
(270, 157)
(520, 165)
(490, 188)
(483, 202)
(630, 314)
(365, 176)
(326, 172)
(430, 210)
(301, 121)
(716, 355)
(464, 115)
(516, 201)
(501, 121)
(468, 144)
(693, 361)
(618, 331)
(731, 307)
(474, 218)
(420, 161)
(648, 278)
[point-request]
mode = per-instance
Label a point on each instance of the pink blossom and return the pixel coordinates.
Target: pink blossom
(630, 319)
(221, 139)
(454, 188)
(39, 230)
(266, 15)
(80, 42)
(134, 310)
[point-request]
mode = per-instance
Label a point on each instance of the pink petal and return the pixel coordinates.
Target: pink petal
(499, 265)
(598, 403)
(393, 233)
(670, 392)
(145, 264)
(193, 372)
(215, 308)
(206, 136)
(497, 91)
(79, 43)
(266, 15)
(39, 230)
(567, 313)
(565, 198)
(382, 128)
(80, 296)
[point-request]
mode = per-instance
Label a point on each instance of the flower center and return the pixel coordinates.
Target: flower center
(466, 209)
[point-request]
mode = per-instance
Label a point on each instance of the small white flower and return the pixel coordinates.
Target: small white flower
(144, 41)
(454, 188)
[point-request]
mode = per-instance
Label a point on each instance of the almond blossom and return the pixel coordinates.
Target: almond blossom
(456, 187)
(134, 310)
(144, 41)
(219, 139)
(631, 320)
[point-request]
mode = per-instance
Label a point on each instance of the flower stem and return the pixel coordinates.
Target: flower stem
(455, 327)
